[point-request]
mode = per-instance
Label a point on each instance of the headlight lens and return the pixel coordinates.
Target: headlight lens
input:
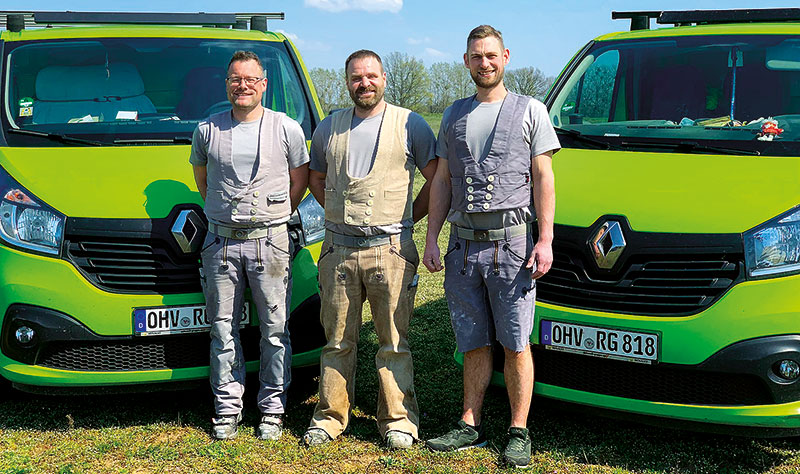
(773, 249)
(312, 219)
(27, 223)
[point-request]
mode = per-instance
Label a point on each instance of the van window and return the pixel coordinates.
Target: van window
(109, 89)
(716, 88)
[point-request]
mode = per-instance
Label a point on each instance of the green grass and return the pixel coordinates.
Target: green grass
(168, 432)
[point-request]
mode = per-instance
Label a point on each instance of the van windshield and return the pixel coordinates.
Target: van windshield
(706, 94)
(128, 90)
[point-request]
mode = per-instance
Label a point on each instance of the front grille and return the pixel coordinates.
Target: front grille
(143, 353)
(133, 255)
(133, 265)
(658, 274)
(655, 383)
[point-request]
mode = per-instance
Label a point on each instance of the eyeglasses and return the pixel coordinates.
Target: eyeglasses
(236, 80)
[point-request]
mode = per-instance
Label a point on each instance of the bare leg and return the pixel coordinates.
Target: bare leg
(477, 373)
(518, 371)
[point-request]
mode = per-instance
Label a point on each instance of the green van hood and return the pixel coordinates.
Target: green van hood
(667, 192)
(110, 182)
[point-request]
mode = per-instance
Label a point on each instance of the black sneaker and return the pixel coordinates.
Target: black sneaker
(458, 439)
(518, 451)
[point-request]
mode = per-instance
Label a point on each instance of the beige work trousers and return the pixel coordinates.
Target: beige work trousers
(385, 275)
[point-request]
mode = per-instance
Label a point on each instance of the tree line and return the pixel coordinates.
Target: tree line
(424, 89)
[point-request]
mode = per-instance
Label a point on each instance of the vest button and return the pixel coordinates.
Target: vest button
(489, 187)
(253, 211)
(234, 211)
(369, 202)
(348, 219)
(372, 194)
(470, 206)
(470, 189)
(468, 180)
(255, 193)
(234, 203)
(344, 193)
(486, 205)
(488, 196)
(253, 219)
(366, 220)
(255, 202)
(490, 178)
(470, 198)
(368, 212)
(347, 202)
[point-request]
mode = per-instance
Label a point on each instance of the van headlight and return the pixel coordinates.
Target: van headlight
(312, 219)
(26, 222)
(773, 248)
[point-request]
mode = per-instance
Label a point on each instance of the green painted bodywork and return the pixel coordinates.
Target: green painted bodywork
(684, 193)
(137, 182)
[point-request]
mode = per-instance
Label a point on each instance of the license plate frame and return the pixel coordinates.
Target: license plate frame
(603, 342)
(180, 319)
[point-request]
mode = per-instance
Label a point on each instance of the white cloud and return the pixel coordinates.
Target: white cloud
(418, 40)
(435, 53)
(392, 6)
(304, 45)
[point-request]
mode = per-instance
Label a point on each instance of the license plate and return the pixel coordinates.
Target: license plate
(600, 342)
(176, 319)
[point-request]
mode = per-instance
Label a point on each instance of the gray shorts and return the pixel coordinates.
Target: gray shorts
(490, 293)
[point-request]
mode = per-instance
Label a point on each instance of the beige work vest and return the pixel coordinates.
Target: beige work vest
(383, 196)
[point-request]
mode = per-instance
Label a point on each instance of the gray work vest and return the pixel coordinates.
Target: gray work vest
(503, 180)
(263, 199)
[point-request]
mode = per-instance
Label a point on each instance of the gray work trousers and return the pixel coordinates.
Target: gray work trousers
(229, 265)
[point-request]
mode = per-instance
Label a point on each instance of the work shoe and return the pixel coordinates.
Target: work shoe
(226, 426)
(518, 451)
(271, 427)
(398, 440)
(458, 439)
(315, 437)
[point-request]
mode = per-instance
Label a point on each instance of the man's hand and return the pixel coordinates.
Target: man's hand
(542, 257)
(431, 258)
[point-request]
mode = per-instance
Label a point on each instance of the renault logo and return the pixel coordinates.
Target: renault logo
(189, 231)
(608, 244)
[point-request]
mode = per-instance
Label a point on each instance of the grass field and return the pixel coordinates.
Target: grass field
(168, 432)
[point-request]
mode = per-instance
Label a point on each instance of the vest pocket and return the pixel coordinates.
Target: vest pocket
(278, 196)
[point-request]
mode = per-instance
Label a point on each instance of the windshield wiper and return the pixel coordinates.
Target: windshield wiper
(690, 147)
(153, 141)
(55, 137)
(583, 138)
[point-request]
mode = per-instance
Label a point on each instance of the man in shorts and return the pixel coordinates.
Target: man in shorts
(492, 147)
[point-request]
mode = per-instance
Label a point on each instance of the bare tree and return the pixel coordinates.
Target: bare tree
(448, 82)
(528, 81)
(407, 81)
(331, 88)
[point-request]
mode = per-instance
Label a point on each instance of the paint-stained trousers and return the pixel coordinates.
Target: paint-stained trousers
(386, 276)
(229, 265)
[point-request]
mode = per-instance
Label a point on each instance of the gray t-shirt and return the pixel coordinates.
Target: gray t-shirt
(536, 130)
(244, 147)
(420, 147)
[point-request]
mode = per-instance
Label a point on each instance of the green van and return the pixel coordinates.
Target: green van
(100, 220)
(675, 288)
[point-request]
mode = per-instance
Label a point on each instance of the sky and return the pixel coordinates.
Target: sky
(541, 34)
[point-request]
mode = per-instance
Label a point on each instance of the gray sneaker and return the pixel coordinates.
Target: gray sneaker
(315, 437)
(226, 426)
(271, 427)
(398, 439)
(518, 451)
(462, 437)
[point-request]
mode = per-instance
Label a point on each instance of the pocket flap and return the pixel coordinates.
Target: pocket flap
(278, 196)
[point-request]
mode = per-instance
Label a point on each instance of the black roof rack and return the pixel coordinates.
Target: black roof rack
(641, 20)
(19, 20)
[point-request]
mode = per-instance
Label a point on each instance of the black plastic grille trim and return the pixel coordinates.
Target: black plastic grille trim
(656, 383)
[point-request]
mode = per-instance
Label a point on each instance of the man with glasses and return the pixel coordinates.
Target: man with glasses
(251, 168)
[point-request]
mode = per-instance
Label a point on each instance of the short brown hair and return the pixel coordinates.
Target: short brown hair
(246, 56)
(361, 54)
(484, 31)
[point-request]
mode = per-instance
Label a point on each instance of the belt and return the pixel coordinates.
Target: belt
(368, 241)
(239, 233)
(490, 235)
